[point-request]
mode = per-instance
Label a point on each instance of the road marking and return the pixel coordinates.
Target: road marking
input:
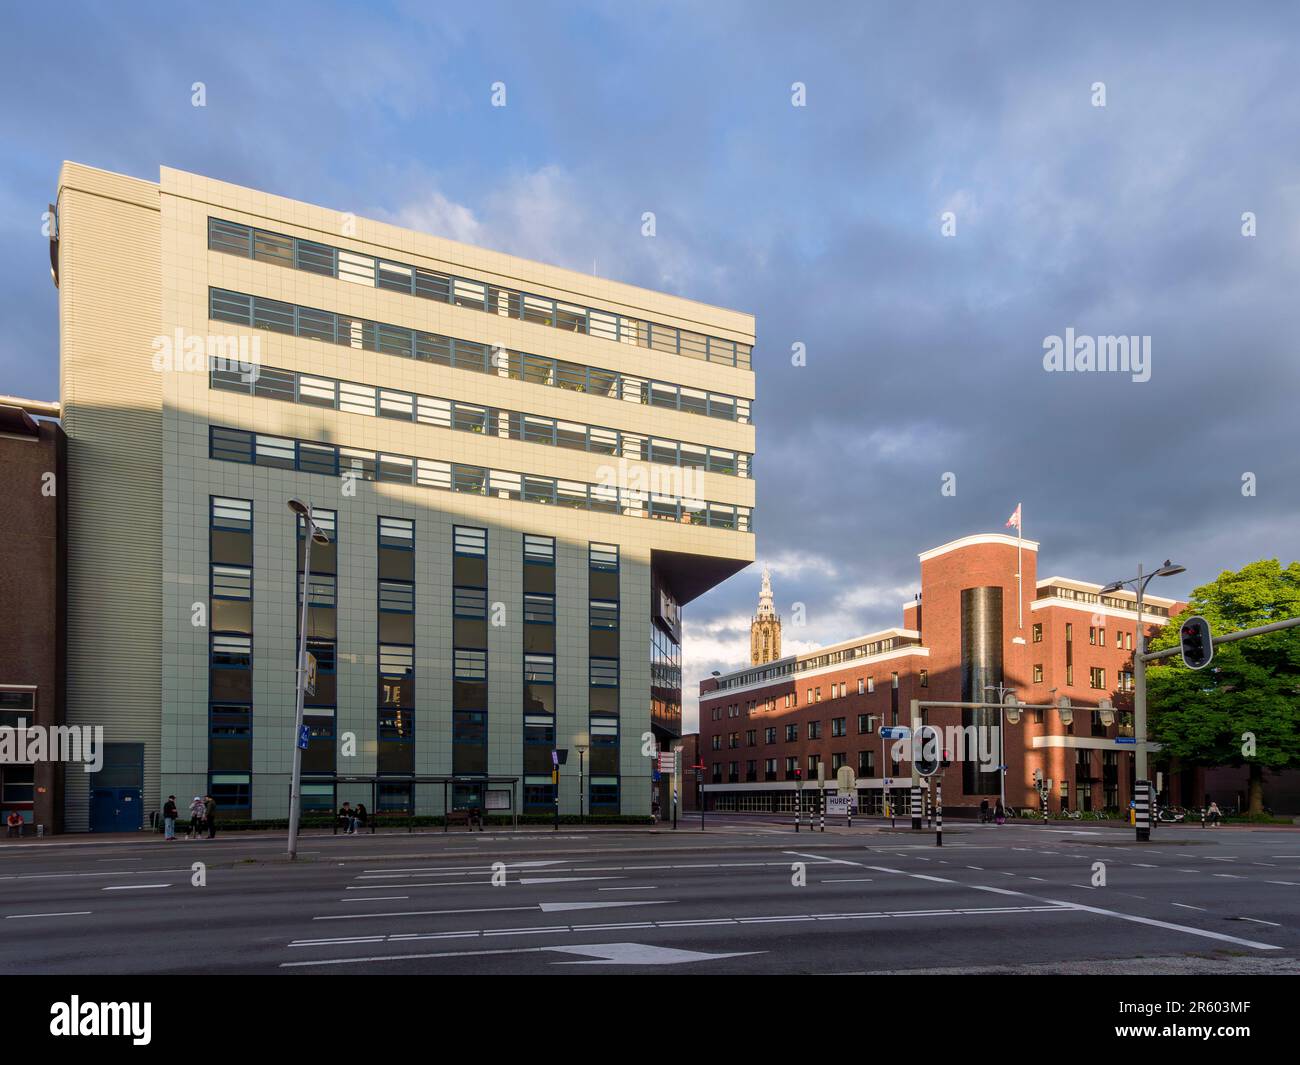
(787, 918)
(134, 887)
(1145, 865)
(847, 880)
(1093, 909)
(1038, 878)
(599, 950)
(651, 887)
(1186, 906)
(1286, 883)
(560, 907)
(1258, 921)
(67, 913)
(978, 868)
(377, 898)
(1228, 876)
(562, 879)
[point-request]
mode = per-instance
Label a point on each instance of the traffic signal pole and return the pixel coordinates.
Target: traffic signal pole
(916, 772)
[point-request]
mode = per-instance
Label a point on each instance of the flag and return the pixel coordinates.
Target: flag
(1015, 519)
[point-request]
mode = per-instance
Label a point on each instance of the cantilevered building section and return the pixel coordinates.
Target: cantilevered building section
(524, 473)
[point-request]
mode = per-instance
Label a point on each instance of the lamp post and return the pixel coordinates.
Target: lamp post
(1139, 584)
(1003, 692)
(313, 535)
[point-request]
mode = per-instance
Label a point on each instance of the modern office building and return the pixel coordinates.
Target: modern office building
(522, 472)
(33, 530)
(983, 619)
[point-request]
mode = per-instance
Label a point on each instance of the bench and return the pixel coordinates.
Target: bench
(469, 818)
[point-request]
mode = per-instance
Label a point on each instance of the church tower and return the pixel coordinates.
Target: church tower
(765, 629)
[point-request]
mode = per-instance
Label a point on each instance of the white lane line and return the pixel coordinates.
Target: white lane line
(978, 868)
(847, 880)
(1038, 878)
(651, 887)
(1286, 883)
(1269, 865)
(67, 913)
(1256, 920)
(134, 887)
(119, 859)
(563, 879)
(377, 898)
(1187, 906)
(1145, 865)
(1094, 909)
(792, 918)
(1228, 876)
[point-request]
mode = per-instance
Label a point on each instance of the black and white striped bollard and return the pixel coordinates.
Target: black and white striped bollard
(822, 793)
(938, 814)
(916, 808)
(1142, 806)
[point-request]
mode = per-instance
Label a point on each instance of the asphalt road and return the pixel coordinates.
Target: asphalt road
(1013, 898)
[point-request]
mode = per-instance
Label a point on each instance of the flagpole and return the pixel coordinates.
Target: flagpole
(1020, 591)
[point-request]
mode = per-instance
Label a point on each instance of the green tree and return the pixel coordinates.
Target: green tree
(1244, 708)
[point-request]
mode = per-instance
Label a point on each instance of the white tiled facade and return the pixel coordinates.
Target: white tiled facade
(135, 265)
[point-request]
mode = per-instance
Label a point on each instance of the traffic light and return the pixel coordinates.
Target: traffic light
(926, 749)
(1197, 642)
(946, 760)
(798, 774)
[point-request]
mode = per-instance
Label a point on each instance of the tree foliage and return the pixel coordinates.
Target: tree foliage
(1251, 689)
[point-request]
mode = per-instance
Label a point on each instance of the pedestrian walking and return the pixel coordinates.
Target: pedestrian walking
(169, 818)
(999, 814)
(210, 814)
(984, 811)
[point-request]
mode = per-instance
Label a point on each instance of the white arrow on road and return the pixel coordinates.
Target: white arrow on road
(560, 907)
(641, 954)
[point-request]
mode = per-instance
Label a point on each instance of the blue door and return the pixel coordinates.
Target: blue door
(115, 810)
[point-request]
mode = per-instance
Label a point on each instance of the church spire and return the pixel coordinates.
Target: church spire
(765, 630)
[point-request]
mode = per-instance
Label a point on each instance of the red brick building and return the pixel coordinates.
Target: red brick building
(983, 618)
(33, 567)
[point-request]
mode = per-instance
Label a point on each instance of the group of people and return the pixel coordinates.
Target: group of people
(997, 814)
(203, 817)
(352, 819)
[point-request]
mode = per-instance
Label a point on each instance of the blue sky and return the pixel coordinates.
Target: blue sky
(924, 351)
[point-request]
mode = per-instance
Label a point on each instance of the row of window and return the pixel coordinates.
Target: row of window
(839, 727)
(378, 402)
(866, 767)
(261, 449)
(830, 658)
(838, 690)
(1096, 636)
(1059, 592)
(362, 334)
(234, 238)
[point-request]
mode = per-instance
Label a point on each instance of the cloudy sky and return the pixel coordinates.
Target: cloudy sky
(826, 221)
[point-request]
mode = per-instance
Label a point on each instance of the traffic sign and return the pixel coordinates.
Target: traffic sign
(846, 779)
(894, 732)
(304, 737)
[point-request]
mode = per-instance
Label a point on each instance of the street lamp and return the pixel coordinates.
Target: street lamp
(1003, 693)
(314, 535)
(1139, 584)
